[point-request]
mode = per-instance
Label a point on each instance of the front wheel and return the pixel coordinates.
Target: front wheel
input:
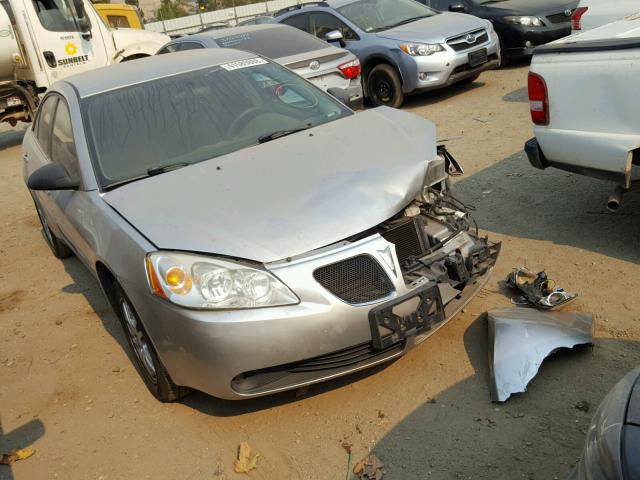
(384, 86)
(144, 355)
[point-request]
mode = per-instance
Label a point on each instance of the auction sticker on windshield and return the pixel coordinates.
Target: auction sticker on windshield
(243, 64)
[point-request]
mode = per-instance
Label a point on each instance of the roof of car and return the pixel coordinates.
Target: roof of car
(225, 32)
(151, 68)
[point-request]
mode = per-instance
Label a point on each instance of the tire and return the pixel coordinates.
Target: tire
(57, 246)
(144, 354)
(504, 61)
(384, 86)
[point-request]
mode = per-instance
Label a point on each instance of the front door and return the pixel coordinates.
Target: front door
(67, 36)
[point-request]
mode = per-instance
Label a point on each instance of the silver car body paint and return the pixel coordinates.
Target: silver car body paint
(521, 338)
(300, 192)
(206, 350)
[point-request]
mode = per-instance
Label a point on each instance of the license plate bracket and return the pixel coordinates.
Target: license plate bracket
(478, 57)
(389, 327)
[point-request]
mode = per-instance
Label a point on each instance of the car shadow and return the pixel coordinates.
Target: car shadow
(218, 407)
(538, 434)
(21, 437)
(435, 96)
(11, 138)
(516, 63)
(513, 198)
(85, 284)
(520, 95)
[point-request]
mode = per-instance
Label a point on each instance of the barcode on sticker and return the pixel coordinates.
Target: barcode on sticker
(243, 64)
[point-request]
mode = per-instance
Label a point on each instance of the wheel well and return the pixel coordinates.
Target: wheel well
(106, 279)
(369, 65)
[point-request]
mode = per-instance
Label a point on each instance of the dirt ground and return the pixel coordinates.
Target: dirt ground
(69, 390)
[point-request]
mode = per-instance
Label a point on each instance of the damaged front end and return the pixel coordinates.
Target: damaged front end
(443, 261)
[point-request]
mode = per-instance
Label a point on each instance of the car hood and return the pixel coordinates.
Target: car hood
(435, 29)
(527, 7)
(289, 196)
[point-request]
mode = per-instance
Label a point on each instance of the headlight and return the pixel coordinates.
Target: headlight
(196, 281)
(525, 21)
(420, 49)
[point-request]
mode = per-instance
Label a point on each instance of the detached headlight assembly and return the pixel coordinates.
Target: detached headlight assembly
(420, 49)
(525, 21)
(209, 283)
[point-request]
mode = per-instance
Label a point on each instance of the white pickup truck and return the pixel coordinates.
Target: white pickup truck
(595, 13)
(583, 95)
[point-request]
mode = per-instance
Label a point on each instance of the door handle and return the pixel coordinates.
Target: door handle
(50, 58)
(25, 157)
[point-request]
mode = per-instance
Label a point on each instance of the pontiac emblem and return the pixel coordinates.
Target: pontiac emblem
(315, 65)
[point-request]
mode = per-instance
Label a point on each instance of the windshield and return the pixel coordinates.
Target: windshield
(379, 15)
(148, 128)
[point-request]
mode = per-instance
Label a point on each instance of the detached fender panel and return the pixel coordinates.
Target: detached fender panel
(521, 338)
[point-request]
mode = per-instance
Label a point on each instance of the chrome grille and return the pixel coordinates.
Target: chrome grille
(559, 18)
(461, 42)
(407, 239)
(355, 280)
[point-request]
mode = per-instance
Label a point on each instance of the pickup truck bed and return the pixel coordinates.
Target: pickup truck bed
(593, 107)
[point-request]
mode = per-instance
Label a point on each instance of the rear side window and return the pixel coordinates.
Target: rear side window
(273, 42)
(182, 46)
(299, 21)
(63, 147)
(322, 23)
(168, 48)
(45, 119)
(118, 21)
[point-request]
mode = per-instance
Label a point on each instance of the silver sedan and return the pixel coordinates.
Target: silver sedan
(252, 233)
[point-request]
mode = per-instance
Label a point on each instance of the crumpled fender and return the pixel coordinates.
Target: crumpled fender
(136, 42)
(521, 338)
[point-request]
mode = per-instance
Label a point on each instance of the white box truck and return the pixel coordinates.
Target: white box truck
(42, 41)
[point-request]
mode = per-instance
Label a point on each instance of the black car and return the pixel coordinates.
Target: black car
(521, 25)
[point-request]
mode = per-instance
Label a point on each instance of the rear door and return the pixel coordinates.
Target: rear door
(67, 38)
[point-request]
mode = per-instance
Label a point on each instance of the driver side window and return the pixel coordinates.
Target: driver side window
(322, 23)
(63, 146)
(43, 127)
(61, 15)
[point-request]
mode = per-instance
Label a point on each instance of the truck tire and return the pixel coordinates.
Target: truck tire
(384, 86)
(145, 358)
(57, 246)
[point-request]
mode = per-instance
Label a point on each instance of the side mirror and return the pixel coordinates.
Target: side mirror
(83, 20)
(457, 7)
(52, 176)
(335, 36)
(342, 95)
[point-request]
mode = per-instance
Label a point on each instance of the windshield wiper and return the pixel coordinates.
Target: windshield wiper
(282, 133)
(407, 20)
(165, 168)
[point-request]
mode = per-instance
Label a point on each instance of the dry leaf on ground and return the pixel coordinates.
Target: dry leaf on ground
(245, 462)
(14, 456)
(369, 468)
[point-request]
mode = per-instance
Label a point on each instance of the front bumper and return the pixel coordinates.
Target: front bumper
(446, 68)
(248, 353)
(519, 41)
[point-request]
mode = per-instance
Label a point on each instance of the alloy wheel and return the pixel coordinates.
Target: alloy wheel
(139, 340)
